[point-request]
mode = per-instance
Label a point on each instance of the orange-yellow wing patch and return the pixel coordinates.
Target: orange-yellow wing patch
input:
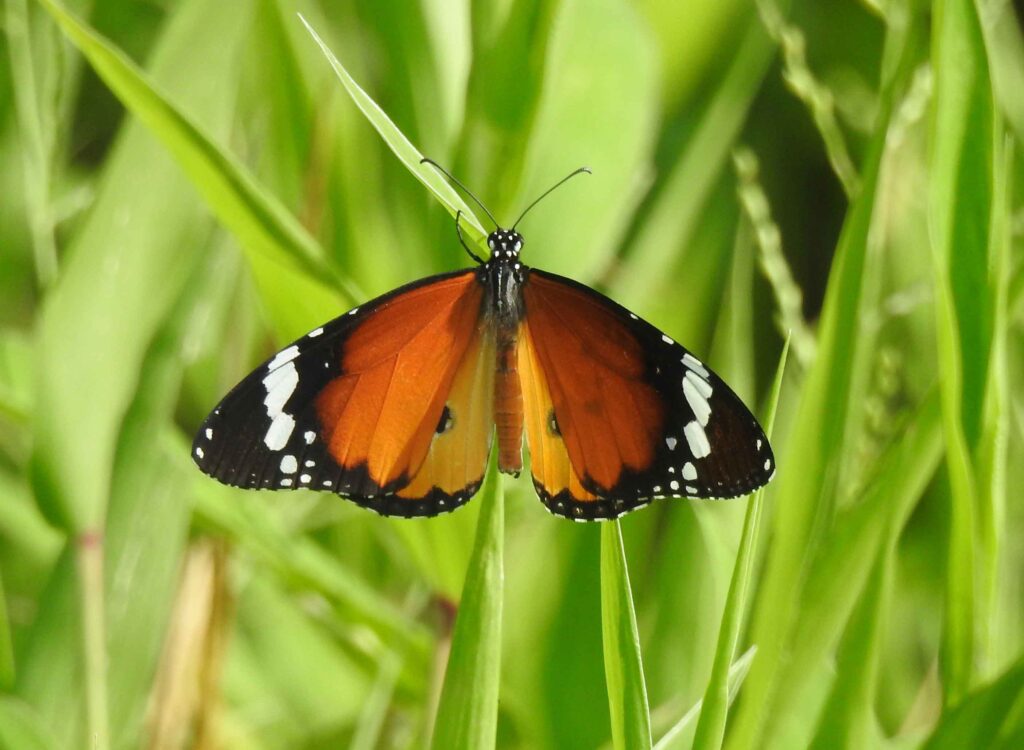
(408, 418)
(591, 415)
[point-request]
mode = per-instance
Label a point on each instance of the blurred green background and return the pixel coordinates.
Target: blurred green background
(845, 172)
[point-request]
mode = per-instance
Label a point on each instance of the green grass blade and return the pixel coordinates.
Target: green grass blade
(467, 714)
(396, 140)
(623, 666)
(259, 221)
(816, 443)
(711, 727)
(848, 717)
(680, 736)
(960, 204)
(37, 137)
(989, 717)
(690, 183)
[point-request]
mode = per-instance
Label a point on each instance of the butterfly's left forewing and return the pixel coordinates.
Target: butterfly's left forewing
(617, 413)
(382, 405)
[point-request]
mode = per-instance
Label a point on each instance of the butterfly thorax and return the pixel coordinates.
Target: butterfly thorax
(504, 276)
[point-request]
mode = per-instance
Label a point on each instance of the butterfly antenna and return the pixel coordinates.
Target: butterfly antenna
(465, 189)
(549, 190)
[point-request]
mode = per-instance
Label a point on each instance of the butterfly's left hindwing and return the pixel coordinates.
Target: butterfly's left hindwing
(381, 405)
(617, 413)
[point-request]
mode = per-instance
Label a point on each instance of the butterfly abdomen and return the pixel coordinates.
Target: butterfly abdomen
(508, 403)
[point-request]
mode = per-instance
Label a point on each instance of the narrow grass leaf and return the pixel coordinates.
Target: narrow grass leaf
(711, 727)
(848, 718)
(402, 147)
(669, 225)
(467, 713)
(816, 444)
(837, 574)
(257, 218)
(960, 204)
(681, 735)
(988, 717)
(623, 666)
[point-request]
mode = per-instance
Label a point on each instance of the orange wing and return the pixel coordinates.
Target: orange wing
(617, 413)
(390, 405)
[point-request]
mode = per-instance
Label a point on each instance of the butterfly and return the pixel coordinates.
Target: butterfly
(396, 403)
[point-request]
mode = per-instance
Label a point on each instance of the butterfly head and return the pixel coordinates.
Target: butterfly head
(505, 244)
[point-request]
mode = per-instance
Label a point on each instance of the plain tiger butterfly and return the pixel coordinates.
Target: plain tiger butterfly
(395, 404)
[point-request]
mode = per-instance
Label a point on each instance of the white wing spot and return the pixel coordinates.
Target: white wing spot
(285, 355)
(280, 385)
(767, 464)
(657, 488)
(327, 483)
(353, 311)
(310, 436)
(305, 478)
(696, 365)
(702, 386)
(314, 334)
(209, 433)
(199, 451)
(289, 465)
(310, 462)
(279, 432)
(666, 339)
(696, 400)
(691, 489)
(689, 471)
(674, 485)
(758, 446)
(671, 443)
(634, 317)
(697, 440)
(286, 482)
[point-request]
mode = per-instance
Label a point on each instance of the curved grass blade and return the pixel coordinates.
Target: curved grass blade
(259, 221)
(681, 733)
(402, 147)
(960, 202)
(623, 668)
(467, 713)
(711, 727)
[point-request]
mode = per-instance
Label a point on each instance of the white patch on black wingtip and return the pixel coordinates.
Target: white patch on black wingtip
(696, 365)
(289, 465)
(697, 439)
(671, 443)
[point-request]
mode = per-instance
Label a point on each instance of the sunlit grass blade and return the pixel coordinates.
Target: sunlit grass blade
(36, 133)
(467, 713)
(623, 666)
(960, 205)
(396, 140)
(848, 717)
(711, 727)
(988, 717)
(255, 216)
(837, 574)
(672, 221)
(816, 443)
(681, 734)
